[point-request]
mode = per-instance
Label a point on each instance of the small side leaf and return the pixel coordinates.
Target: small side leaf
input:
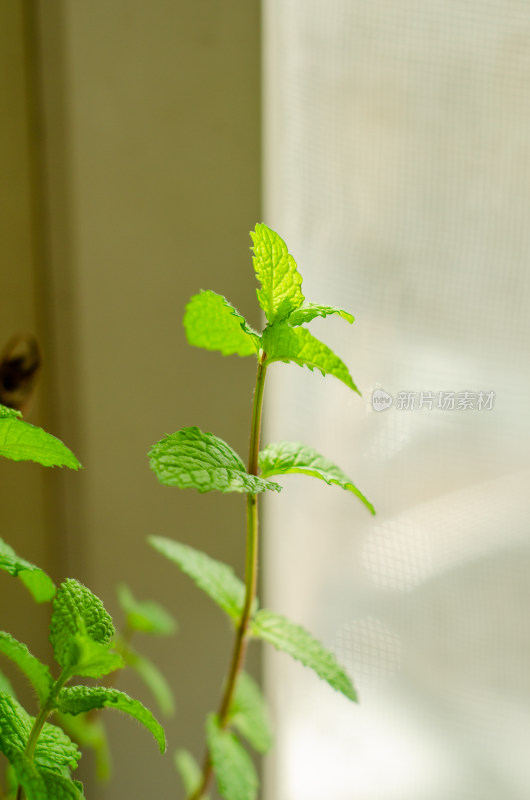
(309, 311)
(283, 343)
(192, 459)
(153, 679)
(78, 699)
(213, 323)
(213, 577)
(234, 771)
(35, 671)
(276, 270)
(145, 616)
(21, 441)
(248, 714)
(301, 645)
(90, 659)
(294, 457)
(39, 584)
(189, 771)
(77, 611)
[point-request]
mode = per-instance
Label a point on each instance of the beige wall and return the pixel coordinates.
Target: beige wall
(27, 492)
(147, 182)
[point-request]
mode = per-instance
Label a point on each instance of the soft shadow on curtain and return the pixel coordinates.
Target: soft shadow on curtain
(398, 170)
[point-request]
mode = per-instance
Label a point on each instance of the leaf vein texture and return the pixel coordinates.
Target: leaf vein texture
(276, 270)
(193, 459)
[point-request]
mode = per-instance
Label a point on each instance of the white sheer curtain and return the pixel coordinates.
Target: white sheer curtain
(397, 141)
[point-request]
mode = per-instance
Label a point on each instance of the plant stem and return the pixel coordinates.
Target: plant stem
(38, 725)
(251, 572)
(40, 721)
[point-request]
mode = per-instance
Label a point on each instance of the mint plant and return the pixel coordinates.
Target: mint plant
(41, 755)
(141, 617)
(191, 458)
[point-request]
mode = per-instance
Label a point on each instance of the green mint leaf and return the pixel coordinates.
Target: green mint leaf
(92, 659)
(29, 777)
(234, 771)
(301, 645)
(153, 679)
(248, 713)
(39, 584)
(43, 785)
(189, 771)
(276, 270)
(293, 457)
(15, 726)
(55, 751)
(90, 734)
(77, 611)
(283, 343)
(213, 323)
(35, 671)
(79, 699)
(213, 577)
(145, 616)
(21, 441)
(192, 459)
(308, 311)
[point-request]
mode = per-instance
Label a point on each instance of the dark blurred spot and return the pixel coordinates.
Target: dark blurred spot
(19, 367)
